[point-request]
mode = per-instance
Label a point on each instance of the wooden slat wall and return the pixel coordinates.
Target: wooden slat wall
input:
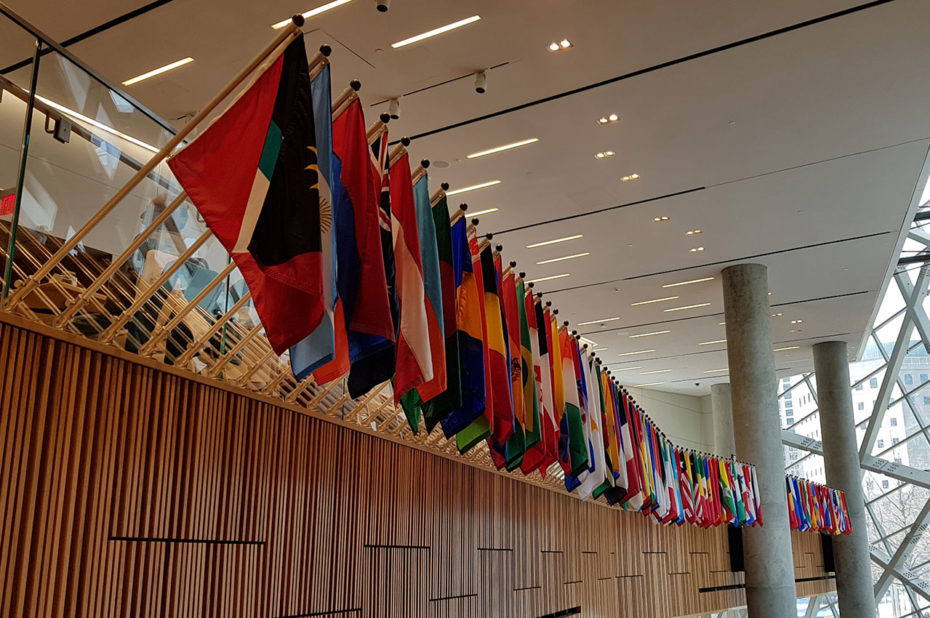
(130, 491)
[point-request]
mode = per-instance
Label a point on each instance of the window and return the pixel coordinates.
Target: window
(908, 379)
(897, 460)
(881, 444)
(861, 406)
(859, 386)
(894, 441)
(884, 484)
(873, 382)
(894, 422)
(788, 404)
(788, 395)
(926, 400)
(924, 377)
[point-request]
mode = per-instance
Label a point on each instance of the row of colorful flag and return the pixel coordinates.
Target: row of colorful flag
(360, 273)
(816, 507)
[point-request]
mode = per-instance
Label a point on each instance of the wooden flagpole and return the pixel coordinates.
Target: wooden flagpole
(274, 49)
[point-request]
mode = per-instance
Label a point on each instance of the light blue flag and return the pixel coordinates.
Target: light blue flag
(319, 347)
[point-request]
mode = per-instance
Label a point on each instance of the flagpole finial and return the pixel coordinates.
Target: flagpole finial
(548, 302)
(463, 207)
(574, 332)
(445, 187)
(385, 118)
(326, 50)
(298, 20)
(554, 311)
(522, 274)
(474, 221)
(425, 163)
(405, 141)
(513, 264)
(498, 248)
(565, 323)
(489, 235)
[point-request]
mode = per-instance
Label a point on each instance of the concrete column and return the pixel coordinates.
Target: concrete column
(770, 591)
(724, 442)
(841, 464)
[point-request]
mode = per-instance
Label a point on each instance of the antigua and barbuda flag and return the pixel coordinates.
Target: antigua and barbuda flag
(253, 176)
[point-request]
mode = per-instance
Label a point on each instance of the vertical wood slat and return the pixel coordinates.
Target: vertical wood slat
(127, 491)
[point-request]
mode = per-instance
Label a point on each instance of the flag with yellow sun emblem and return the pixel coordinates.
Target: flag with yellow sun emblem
(254, 176)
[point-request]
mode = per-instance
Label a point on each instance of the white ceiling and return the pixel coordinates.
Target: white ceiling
(801, 150)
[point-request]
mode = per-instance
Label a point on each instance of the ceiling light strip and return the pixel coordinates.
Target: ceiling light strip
(566, 257)
(553, 241)
(658, 332)
(486, 211)
(312, 12)
(687, 307)
(537, 280)
(435, 31)
(713, 342)
(598, 321)
(634, 353)
(158, 71)
(483, 153)
(672, 285)
(654, 300)
(482, 185)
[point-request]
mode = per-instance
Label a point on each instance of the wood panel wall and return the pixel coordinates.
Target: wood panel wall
(130, 491)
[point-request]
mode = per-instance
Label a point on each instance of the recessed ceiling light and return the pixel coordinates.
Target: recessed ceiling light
(608, 119)
(537, 280)
(672, 285)
(713, 342)
(553, 241)
(482, 185)
(524, 142)
(791, 347)
(566, 257)
(590, 342)
(649, 384)
(599, 321)
(98, 124)
(654, 300)
(635, 353)
(486, 211)
(720, 323)
(629, 178)
(777, 315)
(692, 232)
(158, 71)
(696, 249)
(560, 45)
(660, 219)
(686, 307)
(625, 369)
(553, 46)
(312, 12)
(605, 154)
(717, 370)
(435, 31)
(657, 332)
(600, 349)
(565, 43)
(797, 321)
(795, 330)
(646, 373)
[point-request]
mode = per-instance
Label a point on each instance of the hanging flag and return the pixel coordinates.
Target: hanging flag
(319, 348)
(253, 176)
(429, 251)
(572, 426)
(531, 409)
(629, 439)
(373, 360)
(469, 338)
(546, 452)
(686, 484)
(481, 426)
(501, 415)
(443, 404)
(414, 359)
(516, 445)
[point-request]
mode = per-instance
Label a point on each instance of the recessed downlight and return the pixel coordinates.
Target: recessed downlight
(553, 241)
(649, 384)
(696, 249)
(717, 370)
(646, 373)
(604, 155)
(608, 119)
(625, 369)
(661, 219)
(692, 232)
(777, 315)
(797, 321)
(633, 176)
(560, 45)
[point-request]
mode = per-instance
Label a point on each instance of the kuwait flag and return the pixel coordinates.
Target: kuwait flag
(253, 176)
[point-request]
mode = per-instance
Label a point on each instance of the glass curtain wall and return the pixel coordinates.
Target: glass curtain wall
(891, 402)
